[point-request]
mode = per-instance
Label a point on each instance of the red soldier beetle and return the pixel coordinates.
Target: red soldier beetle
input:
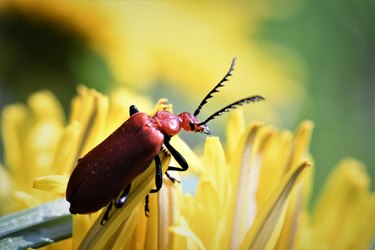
(110, 167)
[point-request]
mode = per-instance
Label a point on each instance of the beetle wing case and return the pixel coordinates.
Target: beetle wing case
(111, 166)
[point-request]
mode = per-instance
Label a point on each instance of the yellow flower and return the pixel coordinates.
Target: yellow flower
(251, 194)
(227, 210)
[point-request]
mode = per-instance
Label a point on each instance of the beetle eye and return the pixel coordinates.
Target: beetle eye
(192, 127)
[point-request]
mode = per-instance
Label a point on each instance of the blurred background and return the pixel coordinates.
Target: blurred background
(310, 60)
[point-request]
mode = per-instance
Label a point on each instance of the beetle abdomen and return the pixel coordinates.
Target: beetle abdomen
(112, 165)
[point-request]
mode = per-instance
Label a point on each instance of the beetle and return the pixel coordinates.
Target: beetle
(104, 175)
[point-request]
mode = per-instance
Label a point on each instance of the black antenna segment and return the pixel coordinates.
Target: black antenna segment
(234, 105)
(214, 90)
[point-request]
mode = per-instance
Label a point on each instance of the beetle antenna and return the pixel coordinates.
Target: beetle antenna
(234, 105)
(214, 90)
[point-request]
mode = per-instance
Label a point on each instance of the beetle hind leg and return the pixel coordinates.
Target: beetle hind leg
(147, 209)
(106, 214)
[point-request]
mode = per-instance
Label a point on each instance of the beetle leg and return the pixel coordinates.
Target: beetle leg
(133, 110)
(158, 182)
(177, 156)
(174, 180)
(106, 214)
(147, 209)
(121, 200)
(158, 175)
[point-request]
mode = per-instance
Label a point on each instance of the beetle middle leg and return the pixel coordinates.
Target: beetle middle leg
(158, 182)
(124, 195)
(118, 203)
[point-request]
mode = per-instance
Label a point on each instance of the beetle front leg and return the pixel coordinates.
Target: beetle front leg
(177, 156)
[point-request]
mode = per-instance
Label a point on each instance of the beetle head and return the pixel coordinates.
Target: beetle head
(190, 122)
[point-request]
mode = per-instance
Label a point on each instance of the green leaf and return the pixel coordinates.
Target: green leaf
(36, 227)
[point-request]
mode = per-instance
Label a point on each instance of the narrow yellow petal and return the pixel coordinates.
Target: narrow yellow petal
(81, 224)
(45, 106)
(90, 109)
(193, 242)
(301, 143)
(295, 207)
(13, 131)
(138, 238)
(262, 233)
(346, 207)
(216, 167)
(162, 104)
(67, 150)
(120, 99)
(152, 224)
(235, 128)
(53, 183)
(124, 238)
(25, 200)
(6, 187)
(40, 147)
(244, 172)
(168, 207)
(99, 235)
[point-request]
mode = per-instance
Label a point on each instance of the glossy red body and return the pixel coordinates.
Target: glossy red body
(112, 165)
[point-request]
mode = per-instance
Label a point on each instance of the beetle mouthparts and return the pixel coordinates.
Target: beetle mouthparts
(206, 130)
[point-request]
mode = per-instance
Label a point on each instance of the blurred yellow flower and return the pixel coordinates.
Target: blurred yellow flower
(146, 43)
(252, 194)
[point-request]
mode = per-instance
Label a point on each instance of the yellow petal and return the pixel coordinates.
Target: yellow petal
(53, 183)
(81, 224)
(168, 208)
(68, 149)
(234, 131)
(193, 242)
(25, 200)
(44, 105)
(13, 131)
(120, 100)
(6, 187)
(295, 207)
(263, 233)
(346, 208)
(301, 143)
(244, 176)
(90, 109)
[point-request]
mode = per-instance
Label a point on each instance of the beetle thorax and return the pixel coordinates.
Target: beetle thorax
(167, 123)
